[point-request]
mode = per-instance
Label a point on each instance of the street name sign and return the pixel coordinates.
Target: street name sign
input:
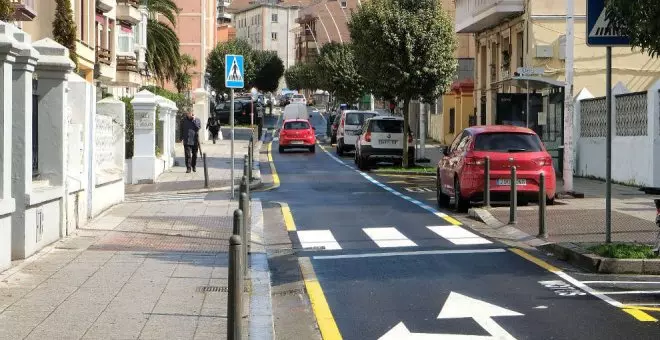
(234, 71)
(599, 30)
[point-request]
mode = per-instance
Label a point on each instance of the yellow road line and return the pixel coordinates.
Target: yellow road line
(652, 309)
(273, 171)
(324, 318)
(451, 220)
(640, 315)
(288, 217)
(536, 260)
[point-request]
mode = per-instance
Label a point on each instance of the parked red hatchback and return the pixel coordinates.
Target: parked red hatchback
(460, 172)
(297, 133)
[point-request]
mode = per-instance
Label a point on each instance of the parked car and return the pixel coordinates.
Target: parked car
(242, 110)
(297, 133)
(460, 172)
(381, 140)
(334, 127)
(298, 99)
(349, 128)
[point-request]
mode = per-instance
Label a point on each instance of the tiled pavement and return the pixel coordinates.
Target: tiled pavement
(146, 269)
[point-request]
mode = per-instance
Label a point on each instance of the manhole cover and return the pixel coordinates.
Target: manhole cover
(218, 289)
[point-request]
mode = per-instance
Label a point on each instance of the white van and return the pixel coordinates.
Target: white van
(295, 111)
(349, 128)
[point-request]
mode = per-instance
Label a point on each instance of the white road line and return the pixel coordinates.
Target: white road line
(624, 282)
(588, 289)
(641, 304)
(388, 237)
(458, 235)
(318, 238)
(411, 253)
(631, 292)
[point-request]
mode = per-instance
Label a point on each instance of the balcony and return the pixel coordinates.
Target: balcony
(24, 10)
(127, 11)
(103, 56)
(474, 16)
(128, 71)
(105, 5)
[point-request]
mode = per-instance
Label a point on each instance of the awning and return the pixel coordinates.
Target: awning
(535, 82)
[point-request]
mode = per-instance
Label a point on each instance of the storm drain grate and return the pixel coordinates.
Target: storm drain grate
(218, 289)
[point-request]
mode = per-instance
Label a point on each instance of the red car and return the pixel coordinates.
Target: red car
(460, 173)
(297, 133)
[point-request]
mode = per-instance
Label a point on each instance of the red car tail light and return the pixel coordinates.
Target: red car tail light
(474, 161)
(544, 161)
(342, 122)
(367, 137)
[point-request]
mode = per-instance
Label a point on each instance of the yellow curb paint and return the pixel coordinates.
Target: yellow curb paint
(652, 309)
(640, 315)
(451, 220)
(276, 178)
(288, 217)
(324, 318)
(535, 260)
(398, 182)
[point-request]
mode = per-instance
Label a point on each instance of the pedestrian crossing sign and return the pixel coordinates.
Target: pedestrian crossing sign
(234, 71)
(599, 30)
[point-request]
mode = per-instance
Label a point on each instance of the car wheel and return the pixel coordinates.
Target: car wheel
(550, 201)
(443, 199)
(355, 157)
(340, 148)
(281, 149)
(460, 204)
(363, 164)
(333, 139)
(312, 149)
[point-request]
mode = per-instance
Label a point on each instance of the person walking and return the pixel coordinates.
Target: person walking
(190, 126)
(213, 125)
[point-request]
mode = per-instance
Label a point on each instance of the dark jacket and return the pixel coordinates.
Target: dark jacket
(189, 130)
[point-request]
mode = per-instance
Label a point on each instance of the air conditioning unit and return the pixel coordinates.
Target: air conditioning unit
(544, 51)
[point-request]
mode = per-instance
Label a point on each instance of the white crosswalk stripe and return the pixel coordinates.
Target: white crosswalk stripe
(388, 237)
(318, 239)
(458, 235)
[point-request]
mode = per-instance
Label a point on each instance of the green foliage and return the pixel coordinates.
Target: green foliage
(215, 63)
(337, 72)
(159, 133)
(64, 28)
(129, 128)
(163, 56)
(302, 76)
(624, 251)
(183, 78)
(639, 20)
(183, 103)
(6, 11)
(269, 68)
(404, 49)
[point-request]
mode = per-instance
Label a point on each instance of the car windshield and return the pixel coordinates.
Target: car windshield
(507, 142)
(296, 126)
(387, 126)
(357, 118)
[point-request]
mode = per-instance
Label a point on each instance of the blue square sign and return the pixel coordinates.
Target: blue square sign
(234, 71)
(599, 31)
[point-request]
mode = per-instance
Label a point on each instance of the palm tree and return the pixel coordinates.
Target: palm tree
(163, 56)
(183, 78)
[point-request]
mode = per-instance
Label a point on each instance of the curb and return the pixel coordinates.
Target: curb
(484, 216)
(260, 320)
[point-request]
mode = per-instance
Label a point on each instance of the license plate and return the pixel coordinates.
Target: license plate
(297, 142)
(387, 142)
(506, 181)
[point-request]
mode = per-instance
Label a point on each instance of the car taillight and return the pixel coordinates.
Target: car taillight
(543, 161)
(367, 137)
(342, 122)
(474, 161)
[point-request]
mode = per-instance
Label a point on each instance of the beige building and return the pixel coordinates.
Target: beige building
(111, 39)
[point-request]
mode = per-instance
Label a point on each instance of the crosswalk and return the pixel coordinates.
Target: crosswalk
(159, 197)
(385, 237)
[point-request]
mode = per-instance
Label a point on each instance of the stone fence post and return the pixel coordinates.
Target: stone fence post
(144, 154)
(201, 110)
(167, 113)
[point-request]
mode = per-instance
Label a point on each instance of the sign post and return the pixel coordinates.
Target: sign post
(234, 71)
(601, 33)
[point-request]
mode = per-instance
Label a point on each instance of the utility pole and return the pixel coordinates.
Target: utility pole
(568, 100)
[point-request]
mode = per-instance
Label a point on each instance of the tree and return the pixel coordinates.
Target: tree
(6, 11)
(215, 62)
(64, 28)
(163, 56)
(302, 76)
(183, 78)
(269, 68)
(404, 49)
(336, 63)
(639, 20)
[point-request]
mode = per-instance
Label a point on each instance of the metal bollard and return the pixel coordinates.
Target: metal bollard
(206, 172)
(245, 165)
(514, 197)
(487, 182)
(244, 229)
(543, 233)
(235, 290)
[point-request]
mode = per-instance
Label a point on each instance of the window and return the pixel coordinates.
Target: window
(507, 142)
(274, 36)
(357, 118)
(387, 126)
(296, 126)
(452, 120)
(125, 39)
(343, 3)
(274, 17)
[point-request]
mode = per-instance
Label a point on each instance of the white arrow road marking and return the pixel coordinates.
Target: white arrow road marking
(459, 306)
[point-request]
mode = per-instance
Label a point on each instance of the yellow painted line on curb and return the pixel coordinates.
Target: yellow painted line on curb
(640, 315)
(452, 220)
(535, 260)
(288, 217)
(324, 318)
(276, 178)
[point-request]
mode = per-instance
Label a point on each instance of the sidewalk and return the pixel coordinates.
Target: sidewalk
(583, 220)
(151, 268)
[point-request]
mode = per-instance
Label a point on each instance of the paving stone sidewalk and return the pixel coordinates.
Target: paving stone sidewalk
(152, 268)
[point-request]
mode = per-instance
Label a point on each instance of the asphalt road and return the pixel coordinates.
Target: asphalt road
(385, 264)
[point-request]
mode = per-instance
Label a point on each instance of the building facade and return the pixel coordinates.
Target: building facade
(196, 28)
(322, 22)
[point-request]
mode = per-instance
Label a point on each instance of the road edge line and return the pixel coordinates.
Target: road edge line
(324, 318)
(289, 222)
(273, 171)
